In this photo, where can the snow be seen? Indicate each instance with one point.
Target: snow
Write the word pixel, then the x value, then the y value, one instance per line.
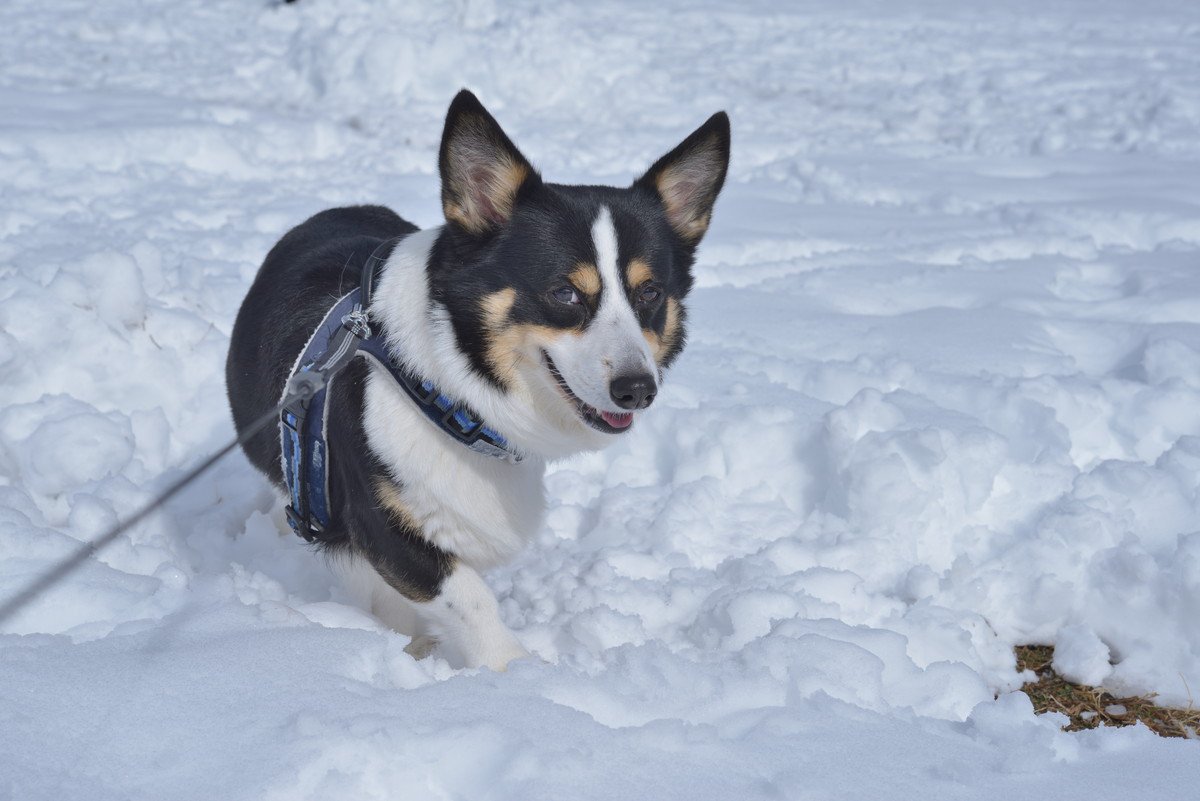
pixel 1081 656
pixel 940 398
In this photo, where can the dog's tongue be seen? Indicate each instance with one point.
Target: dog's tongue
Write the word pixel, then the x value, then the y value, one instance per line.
pixel 617 420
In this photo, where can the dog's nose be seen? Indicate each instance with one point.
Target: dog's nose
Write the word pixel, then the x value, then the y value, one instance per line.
pixel 634 391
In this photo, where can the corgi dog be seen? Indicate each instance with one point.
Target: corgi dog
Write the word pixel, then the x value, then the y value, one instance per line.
pixel 545 314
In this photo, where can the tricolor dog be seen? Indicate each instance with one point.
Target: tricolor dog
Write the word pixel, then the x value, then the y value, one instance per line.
pixel 537 322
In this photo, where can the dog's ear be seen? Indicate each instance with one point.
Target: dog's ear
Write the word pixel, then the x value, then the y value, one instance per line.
pixel 482 171
pixel 688 179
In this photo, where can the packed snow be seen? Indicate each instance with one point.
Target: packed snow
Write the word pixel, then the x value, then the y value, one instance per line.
pixel 941 398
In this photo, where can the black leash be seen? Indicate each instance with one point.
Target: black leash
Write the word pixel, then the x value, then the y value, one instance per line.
pixel 298 390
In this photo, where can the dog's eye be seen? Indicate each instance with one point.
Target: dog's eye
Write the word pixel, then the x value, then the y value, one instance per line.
pixel 649 294
pixel 566 294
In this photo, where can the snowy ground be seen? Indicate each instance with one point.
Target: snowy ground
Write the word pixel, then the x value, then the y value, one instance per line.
pixel 942 397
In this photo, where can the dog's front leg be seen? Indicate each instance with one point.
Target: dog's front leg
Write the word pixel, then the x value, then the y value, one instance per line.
pixel 439 602
pixel 450 600
pixel 465 619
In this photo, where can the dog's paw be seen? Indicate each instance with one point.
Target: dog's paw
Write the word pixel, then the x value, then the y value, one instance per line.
pixel 421 646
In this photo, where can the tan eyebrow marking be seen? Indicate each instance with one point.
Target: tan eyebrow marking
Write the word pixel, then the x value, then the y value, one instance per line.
pixel 586 279
pixel 637 273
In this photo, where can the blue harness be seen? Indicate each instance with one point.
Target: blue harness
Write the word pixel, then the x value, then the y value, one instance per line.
pixel 343 335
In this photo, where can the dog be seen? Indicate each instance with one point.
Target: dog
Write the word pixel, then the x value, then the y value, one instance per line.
pixel 550 312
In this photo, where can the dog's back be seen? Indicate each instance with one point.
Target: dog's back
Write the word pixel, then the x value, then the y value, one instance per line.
pixel 315 263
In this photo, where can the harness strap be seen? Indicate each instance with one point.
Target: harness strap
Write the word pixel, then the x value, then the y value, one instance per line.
pixel 331 347
pixel 453 418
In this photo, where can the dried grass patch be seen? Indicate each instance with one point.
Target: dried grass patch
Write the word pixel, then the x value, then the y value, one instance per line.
pixel 1090 707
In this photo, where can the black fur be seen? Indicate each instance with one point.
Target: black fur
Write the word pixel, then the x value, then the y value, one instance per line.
pixel 311 267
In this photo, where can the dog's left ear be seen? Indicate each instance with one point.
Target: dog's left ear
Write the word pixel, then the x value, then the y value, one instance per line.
pixel 688 179
pixel 482 171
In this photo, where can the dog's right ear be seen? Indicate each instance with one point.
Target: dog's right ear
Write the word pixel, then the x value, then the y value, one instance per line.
pixel 482 171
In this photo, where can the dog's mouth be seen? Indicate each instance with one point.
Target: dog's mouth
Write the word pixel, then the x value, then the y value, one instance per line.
pixel 608 422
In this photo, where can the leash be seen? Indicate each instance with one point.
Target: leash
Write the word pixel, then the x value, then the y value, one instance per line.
pixel 300 387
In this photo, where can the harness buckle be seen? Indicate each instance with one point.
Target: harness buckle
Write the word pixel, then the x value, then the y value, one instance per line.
pixel 358 323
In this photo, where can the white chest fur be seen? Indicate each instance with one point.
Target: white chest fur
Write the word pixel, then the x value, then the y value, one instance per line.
pixel 479 508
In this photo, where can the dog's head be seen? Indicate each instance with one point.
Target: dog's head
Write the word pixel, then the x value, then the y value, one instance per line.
pixel 569 299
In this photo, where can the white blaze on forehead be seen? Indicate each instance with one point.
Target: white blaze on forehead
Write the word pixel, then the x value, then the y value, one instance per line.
pixel 604 239
pixel 616 323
